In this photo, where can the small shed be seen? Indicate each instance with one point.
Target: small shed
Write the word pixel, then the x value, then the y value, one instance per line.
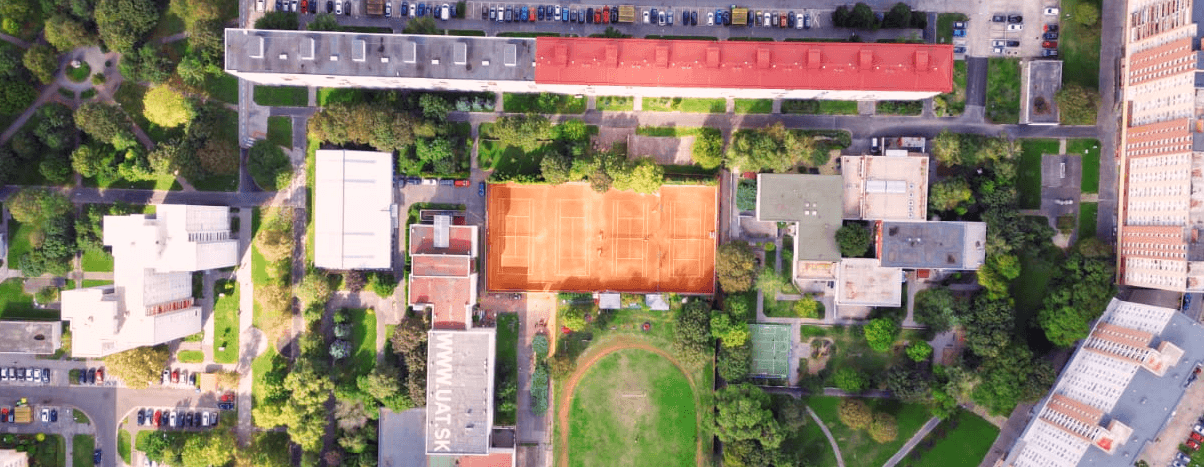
pixel 656 302
pixel 610 301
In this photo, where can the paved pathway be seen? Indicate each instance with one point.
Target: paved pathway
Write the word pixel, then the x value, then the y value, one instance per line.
pixel 208 198
pixel 15 41
pixel 911 443
pixel 831 440
pixel 246 333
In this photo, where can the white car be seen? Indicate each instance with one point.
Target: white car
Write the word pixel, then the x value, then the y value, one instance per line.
pixel 173 419
pixel 45 416
pixel 205 419
pixel 766 19
pixel 1015 27
pixel 710 18
pixel 557 15
pixel 998 50
pixel 798 21
pixel 414 10
pixel 645 16
pixel 388 9
pixel 999 43
pixel 295 3
pixel 1051 12
pixel 338 7
pixel 444 12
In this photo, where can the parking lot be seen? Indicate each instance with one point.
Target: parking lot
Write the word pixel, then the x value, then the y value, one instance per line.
pixel 1021 38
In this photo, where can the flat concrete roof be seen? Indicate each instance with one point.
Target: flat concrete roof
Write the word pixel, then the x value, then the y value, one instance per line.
pixel 865 282
pixel 380 55
pixel 885 187
pixel 353 209
pixel 813 201
pixel 401 438
pixel 30 337
pixel 459 392
pixel 932 245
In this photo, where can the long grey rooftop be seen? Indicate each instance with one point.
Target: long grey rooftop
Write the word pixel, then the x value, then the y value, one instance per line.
pixel 380 55
pixel 938 245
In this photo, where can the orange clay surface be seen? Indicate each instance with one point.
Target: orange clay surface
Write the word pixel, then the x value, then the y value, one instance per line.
pixel 571 238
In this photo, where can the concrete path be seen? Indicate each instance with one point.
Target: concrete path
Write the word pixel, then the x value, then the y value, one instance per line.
pixel 246 333
pixel 208 198
pixel 831 440
pixel 14 41
pixel 911 443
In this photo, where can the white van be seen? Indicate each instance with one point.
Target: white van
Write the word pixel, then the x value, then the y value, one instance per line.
pixel 444 12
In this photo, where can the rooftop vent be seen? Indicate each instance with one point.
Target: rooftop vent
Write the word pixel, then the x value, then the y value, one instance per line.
pixel 359 50
pixel 310 45
pixel 712 57
pixel 762 58
pixel 662 56
pixel 409 52
pixel 510 55
pixel 460 54
pixel 257 52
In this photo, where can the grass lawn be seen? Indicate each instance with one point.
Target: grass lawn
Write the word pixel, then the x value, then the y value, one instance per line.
pixel 856 446
pixel 1079 48
pixel 819 107
pixel 754 106
pixel 16 304
pixel 615 103
pixel 18 242
pixel 543 103
pixel 944 26
pixel 79 417
pixel 691 105
pixel 953 103
pixel 123 446
pixel 280 131
pixel 1088 213
pixel 225 323
pixel 852 350
pixel 1029 289
pixel 79 74
pixel 190 356
pixel 228 134
pixel 507 363
pixel 52 452
pixel 657 412
pixel 94 282
pixel 808 444
pixel 900 107
pixel 96 261
pixel 363 338
pixel 1003 90
pixel 1089 148
pixel 164 183
pixel 260 367
pixel 327 96
pixel 281 96
pixel 1028 178
pixel 961 441
pixel 81 449
pixel 223 87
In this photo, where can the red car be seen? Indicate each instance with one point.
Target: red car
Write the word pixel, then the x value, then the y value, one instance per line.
pixel 532 16
pixel 175 376
pixel 304 6
pixel 158 417
pixel 461 183
pixel 605 14
pixel 1193 445
pixel 1197 437
pixel 1050 44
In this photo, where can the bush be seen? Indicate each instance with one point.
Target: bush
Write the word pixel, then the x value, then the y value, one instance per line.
pixel 269 166
pixel 539 344
pixel 884 428
pixel 539 389
pixel 849 380
pixel 746 195
pixel 382 284
pixel 854 413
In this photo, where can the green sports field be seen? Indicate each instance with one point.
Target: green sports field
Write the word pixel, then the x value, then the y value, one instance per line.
pixel 633 408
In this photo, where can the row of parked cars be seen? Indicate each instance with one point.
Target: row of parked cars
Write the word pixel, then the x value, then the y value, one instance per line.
pixel 172 418
pixel 28 375
pixel 177 376
pixel 91 376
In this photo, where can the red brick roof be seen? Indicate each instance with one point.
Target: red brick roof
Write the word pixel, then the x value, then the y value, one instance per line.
pixel 737 64
pixel 503 459
pixel 422 265
pixel 449 296
pixel 422 240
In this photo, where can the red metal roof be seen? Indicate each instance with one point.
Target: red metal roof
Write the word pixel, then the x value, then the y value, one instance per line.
pixel 738 64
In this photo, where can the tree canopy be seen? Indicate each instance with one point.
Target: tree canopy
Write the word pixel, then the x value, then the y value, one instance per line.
pixel 269 165
pixel 854 240
pixel 166 107
pixel 42 61
pixel 66 33
pixel 122 23
pixel 880 333
pixel 743 414
pixel 105 123
pixel 138 367
pixel 735 266
pixel 937 308
pixel 1079 294
pixel 772 148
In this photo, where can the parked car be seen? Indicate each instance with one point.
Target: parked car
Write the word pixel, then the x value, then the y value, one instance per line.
pixel 46 375
pixel 347 8
pixel 158 418
pixel 1015 27
pixel 447 182
pixel 389 9
pixel 100 376
pixel 1015 19
pixel 175 376
pixel 91 376
pixel 45 416
pixel 295 3
pixel 959 25
pixel 172 420
pixel 461 183
pixel 1050 36
pixel 1049 53
pixel 959 33
pixel 614 15
pixel 417 180
pixel 481 189
pixel 279 5
pixel 1195 446
pixel 54 415
pixel 959 50
pixel 225 405
pixel 1013 43
pixel 141 417
pixel 1051 28
pixel 1196 436
pixel 338 8
pixel 97 455
pixel 710 18
pixel 1049 44
pixel 33 375
pixel 1051 11
pixel 83 376
pixel 259 5
pixel 999 19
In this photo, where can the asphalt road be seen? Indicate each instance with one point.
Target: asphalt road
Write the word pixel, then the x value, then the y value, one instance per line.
pixel 976 81
pixel 96 402
pixel 111 195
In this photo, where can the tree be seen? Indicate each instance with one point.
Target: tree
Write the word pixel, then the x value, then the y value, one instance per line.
pixel 122 23
pixel 862 17
pixel 919 351
pixel 66 33
pixel 808 307
pixel 884 428
pixel 560 364
pixel 947 148
pixel 421 25
pixel 996 275
pixel 15 96
pixel 840 17
pixel 87 162
pixel 936 308
pixel 55 127
pixel 16 11
pixel 55 167
pixel 880 333
pixel 1078 295
pixel 208 449
pixel 521 131
pixel 36 206
pixel 849 380
pixel 734 363
pixel 434 107
pixel 166 107
pixel 1014 375
pixel 42 61
pixel 735 266
pixel 437 152
pixel 105 123
pixel 909 383
pixel 989 325
pixel 854 413
pixel 743 414
pixel 556 168
pixel 1077 105
pixel 644 176
pixel 280 20
pixel 323 22
pixel 898 17
pixel 731 333
pixel 314 288
pixel 854 240
pixel 269 165
pixel 693 331
pixel 192 70
pixel 948 194
pixel 138 367
pixel 770 282
pixel 573 317
pixel 147 64
pixel 708 149
pixel 772 148
pixel 573 129
pixel 1086 14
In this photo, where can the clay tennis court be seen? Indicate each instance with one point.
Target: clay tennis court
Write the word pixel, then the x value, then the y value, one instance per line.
pixel 570 238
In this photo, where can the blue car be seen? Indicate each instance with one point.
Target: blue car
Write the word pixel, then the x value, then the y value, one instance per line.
pixel 539 12
pixel 481 189
pixel 526 11
pixel 421 9
pixel 959 33
pixel 564 15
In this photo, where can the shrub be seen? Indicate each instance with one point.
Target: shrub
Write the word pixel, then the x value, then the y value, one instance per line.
pixel 884 428
pixel 539 389
pixel 849 380
pixel 854 413
pixel 540 344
